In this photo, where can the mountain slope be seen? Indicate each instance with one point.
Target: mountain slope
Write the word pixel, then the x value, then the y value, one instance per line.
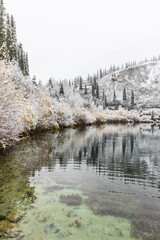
pixel 143 79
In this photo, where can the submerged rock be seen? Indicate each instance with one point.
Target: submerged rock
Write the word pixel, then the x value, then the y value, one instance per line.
pixel 5 226
pixel 13 218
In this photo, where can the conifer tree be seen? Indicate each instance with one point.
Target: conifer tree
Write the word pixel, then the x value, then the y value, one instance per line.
pixel 105 102
pixel 61 90
pixel 124 94
pixel 93 90
pixel 100 73
pixel 3 47
pixel 85 90
pixel 114 97
pixel 26 65
pixel 50 84
pixel 97 91
pixel 95 82
pixel 21 57
pixel 9 36
pixel 80 83
pixel 132 98
pixel 103 95
pixel 14 39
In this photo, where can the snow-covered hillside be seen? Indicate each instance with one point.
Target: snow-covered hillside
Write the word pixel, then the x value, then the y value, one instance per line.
pixel 143 79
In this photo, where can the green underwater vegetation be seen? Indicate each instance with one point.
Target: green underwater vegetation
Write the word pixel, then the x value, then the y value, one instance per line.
pixel 93 183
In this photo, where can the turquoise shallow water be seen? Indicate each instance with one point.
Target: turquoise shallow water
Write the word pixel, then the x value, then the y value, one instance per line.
pixel 93 183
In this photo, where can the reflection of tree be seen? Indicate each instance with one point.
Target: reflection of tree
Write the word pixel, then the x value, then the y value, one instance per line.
pixel 123 146
pixel 132 143
pixel 118 153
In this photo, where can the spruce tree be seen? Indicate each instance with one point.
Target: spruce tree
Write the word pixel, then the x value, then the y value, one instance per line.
pixel 9 37
pixel 26 65
pixel 124 94
pixel 3 47
pixel 61 90
pixel 103 96
pixel 97 91
pixel 85 90
pixel 95 81
pixel 105 102
pixel 100 73
pixel 14 38
pixel 93 90
pixel 114 97
pixel 80 83
pixel 21 57
pixel 132 98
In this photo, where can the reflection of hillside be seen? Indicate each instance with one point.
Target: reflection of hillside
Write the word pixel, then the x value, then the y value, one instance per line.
pixel 128 151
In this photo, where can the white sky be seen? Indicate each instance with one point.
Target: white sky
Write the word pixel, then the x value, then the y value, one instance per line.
pixel 65 38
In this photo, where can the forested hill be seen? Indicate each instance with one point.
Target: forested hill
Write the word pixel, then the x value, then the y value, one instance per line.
pixel 10 49
pixel 134 87
pixel 141 80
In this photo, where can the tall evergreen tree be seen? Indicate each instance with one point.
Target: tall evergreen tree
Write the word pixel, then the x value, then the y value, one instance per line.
pixel 97 91
pixel 100 73
pixel 9 36
pixel 103 95
pixel 114 97
pixel 124 94
pixel 93 90
pixel 3 47
pixel 80 83
pixel 14 39
pixel 26 65
pixel 132 98
pixel 85 90
pixel 61 90
pixel 95 81
pixel 105 102
pixel 21 57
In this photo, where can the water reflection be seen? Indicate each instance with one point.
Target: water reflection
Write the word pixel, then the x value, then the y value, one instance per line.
pixel 117 168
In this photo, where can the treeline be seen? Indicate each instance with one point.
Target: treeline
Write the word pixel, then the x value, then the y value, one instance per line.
pixel 10 49
pixel 112 69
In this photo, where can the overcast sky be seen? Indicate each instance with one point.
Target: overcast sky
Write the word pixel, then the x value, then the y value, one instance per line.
pixel 65 38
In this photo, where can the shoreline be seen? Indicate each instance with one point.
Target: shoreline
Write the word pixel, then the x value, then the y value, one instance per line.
pixel 5 146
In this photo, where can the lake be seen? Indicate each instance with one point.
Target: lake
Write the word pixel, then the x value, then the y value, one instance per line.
pixel 88 183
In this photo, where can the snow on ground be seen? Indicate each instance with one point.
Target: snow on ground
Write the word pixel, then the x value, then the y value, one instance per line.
pixel 26 107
